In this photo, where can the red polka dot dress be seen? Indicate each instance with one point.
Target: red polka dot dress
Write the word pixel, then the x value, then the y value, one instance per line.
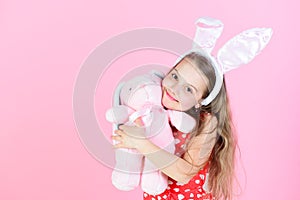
pixel 191 190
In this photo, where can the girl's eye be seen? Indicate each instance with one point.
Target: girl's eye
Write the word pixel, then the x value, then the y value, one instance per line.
pixel 174 76
pixel 188 89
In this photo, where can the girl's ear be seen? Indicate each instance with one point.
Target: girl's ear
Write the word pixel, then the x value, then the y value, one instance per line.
pixel 198 105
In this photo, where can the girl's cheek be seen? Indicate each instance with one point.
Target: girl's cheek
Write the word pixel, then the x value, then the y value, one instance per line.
pixel 163 83
pixel 187 101
pixel 166 82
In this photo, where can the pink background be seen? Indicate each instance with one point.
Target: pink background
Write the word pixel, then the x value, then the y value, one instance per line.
pixel 42 46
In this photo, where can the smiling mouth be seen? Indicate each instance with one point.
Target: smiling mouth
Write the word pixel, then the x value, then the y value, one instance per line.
pixel 170 97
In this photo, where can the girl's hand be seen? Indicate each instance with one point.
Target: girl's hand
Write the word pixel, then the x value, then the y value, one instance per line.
pixel 129 137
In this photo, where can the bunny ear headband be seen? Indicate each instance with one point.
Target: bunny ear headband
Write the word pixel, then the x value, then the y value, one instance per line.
pixel 239 50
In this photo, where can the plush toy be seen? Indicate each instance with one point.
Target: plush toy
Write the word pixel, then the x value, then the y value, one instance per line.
pixel 139 100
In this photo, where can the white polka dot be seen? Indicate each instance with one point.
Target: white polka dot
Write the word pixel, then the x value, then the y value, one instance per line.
pixel 197 181
pixel 187 190
pixel 200 190
pixel 170 182
pixel 202 176
pixel 145 195
pixel 176 189
pixel 180 196
pixel 184 135
pixel 179 184
pixel 159 198
pixel 153 198
pixel 191 195
pixel 198 195
pixel 177 141
pixel 165 196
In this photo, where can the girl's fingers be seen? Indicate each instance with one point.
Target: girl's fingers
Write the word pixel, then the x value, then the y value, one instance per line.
pixel 126 128
pixel 116 137
pixel 119 132
pixel 119 145
pixel 122 127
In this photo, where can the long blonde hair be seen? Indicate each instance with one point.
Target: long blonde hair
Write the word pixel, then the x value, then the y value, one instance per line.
pixel 222 158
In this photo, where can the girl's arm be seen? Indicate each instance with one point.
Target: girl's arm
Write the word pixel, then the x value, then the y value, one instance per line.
pixel 179 169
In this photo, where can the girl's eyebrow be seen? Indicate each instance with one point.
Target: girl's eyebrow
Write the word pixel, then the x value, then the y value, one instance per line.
pixel 185 80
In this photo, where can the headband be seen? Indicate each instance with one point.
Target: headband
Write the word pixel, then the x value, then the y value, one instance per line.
pixel 239 50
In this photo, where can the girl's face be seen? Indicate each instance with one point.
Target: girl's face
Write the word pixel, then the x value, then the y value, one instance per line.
pixel 183 87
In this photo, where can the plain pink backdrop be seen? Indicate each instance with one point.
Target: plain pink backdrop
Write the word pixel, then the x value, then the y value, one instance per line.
pixel 44 43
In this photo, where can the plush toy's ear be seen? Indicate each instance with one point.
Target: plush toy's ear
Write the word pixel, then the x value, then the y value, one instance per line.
pixel 116 101
pixel 116 97
pixel 118 114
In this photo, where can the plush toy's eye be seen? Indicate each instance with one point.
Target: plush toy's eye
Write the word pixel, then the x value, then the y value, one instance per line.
pixel 130 89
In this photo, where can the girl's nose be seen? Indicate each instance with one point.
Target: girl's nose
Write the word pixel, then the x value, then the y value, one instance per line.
pixel 174 90
pixel 174 86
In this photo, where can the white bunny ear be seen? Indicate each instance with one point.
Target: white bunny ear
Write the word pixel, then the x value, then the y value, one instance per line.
pixel 207 32
pixel 242 48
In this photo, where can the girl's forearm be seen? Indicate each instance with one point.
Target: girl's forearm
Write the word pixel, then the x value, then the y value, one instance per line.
pixel 170 164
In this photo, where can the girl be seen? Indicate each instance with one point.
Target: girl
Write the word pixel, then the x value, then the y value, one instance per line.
pixel 208 150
